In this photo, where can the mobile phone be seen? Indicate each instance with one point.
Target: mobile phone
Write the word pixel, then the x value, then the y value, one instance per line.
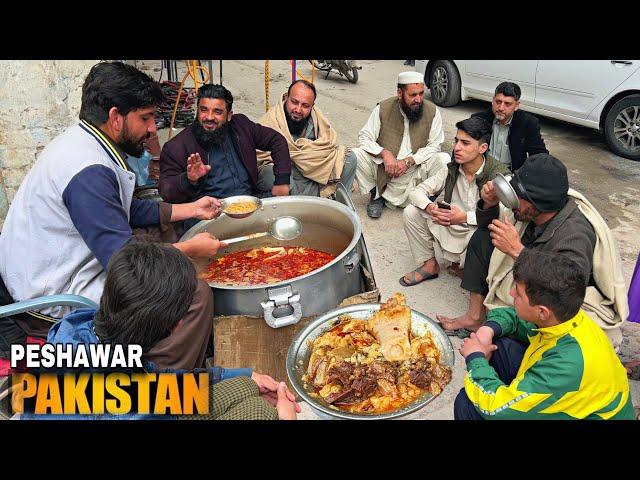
pixel 444 205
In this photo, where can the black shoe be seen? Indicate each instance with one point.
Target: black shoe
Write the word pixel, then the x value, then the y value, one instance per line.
pixel 374 208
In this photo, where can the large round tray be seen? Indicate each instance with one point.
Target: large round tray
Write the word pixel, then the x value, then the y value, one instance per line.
pixel 299 352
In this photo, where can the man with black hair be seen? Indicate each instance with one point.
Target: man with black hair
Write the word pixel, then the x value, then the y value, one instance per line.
pixel 544 358
pixel 515 133
pixel 216 155
pixel 75 207
pixel 399 146
pixel 426 223
pixel 318 161
pixel 153 314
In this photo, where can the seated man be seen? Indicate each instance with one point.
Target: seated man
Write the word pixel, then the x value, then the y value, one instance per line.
pixel 545 358
pixel 516 134
pixel 399 146
pixel 139 308
pixel 75 207
pixel 216 155
pixel 425 222
pixel 550 218
pixel 318 161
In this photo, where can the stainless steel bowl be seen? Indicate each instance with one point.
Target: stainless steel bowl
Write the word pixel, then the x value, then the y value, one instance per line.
pixel 225 203
pixel 299 352
pixel 505 192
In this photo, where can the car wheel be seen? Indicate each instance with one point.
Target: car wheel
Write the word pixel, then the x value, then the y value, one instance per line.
pixel 622 127
pixel 445 83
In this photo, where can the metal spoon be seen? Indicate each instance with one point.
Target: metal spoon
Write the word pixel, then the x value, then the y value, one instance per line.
pixel 283 228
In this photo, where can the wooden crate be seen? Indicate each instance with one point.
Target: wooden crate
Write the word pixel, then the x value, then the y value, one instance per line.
pixel 242 341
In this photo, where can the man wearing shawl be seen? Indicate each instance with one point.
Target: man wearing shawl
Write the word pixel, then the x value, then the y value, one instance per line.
pixel 318 162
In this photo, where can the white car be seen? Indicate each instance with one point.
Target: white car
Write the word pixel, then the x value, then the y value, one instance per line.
pixel 600 94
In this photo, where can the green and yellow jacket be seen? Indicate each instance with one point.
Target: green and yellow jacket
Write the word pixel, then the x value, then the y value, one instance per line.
pixel 569 371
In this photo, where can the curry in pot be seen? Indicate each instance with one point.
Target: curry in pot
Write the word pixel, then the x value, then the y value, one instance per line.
pixel 264 265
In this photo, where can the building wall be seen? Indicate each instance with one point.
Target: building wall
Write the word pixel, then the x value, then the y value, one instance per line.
pixel 38 101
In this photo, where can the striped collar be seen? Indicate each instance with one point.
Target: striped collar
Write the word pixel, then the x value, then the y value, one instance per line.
pixel 106 144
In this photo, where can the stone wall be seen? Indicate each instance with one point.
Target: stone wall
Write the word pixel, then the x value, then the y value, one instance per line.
pixel 38 101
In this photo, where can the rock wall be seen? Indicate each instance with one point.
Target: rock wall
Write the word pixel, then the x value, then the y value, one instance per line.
pixel 39 99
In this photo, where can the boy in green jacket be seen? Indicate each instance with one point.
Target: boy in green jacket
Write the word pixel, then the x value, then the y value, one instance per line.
pixel 545 358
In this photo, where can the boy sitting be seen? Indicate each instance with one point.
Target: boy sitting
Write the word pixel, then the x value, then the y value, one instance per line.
pixel 545 358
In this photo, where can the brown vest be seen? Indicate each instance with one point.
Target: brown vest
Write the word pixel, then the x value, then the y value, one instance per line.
pixel 392 126
pixel 491 168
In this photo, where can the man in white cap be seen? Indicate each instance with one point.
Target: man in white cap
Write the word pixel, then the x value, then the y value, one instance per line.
pixel 399 146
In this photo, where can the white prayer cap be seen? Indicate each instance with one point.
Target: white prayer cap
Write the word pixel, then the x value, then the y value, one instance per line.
pixel 404 78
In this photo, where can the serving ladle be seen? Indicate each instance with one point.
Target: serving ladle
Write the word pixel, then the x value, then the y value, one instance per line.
pixel 283 228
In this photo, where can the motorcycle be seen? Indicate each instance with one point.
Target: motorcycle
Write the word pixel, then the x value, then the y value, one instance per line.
pixel 346 68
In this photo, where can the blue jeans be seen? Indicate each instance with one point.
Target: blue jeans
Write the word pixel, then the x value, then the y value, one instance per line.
pixel 506 362
pixel 349 171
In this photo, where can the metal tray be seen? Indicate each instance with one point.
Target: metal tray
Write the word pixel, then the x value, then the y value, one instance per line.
pixel 299 352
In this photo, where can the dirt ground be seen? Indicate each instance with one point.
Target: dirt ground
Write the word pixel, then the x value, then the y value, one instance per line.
pixel 608 181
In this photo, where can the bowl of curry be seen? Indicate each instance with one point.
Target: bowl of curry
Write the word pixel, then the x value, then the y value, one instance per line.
pixel 240 206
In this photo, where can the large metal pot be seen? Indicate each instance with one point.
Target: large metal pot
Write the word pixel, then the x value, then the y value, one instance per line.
pixel 300 351
pixel 327 225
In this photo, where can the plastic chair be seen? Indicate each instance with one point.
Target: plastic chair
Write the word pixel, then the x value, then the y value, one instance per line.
pixel 63 300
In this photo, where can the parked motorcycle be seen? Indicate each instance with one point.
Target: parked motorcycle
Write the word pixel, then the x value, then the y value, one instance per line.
pixel 346 68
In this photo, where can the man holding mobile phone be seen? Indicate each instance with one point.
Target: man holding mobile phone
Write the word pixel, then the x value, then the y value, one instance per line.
pixel 450 222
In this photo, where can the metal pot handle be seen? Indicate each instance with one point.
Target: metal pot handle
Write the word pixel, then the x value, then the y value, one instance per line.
pixel 280 297
pixel 351 261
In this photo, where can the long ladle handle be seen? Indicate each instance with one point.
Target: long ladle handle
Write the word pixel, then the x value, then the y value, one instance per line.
pixel 245 237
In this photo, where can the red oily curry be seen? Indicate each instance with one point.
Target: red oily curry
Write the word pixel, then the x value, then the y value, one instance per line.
pixel 264 265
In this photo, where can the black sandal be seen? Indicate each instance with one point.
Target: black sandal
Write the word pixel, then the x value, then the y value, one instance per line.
pixel 422 274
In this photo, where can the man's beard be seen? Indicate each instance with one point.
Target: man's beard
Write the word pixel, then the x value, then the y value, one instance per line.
pixel 296 127
pixel 209 139
pixel 129 145
pixel 412 115
pixel 527 216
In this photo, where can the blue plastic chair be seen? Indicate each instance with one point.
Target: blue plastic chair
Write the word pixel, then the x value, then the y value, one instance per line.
pixel 63 300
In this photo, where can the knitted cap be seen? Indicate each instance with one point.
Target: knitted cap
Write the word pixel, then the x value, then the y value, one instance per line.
pixel 545 182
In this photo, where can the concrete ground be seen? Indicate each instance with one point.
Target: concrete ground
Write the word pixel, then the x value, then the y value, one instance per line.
pixel 608 181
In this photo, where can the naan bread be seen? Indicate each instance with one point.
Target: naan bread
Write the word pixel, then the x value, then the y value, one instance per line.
pixel 390 325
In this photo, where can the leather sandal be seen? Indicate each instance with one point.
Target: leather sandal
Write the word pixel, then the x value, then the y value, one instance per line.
pixel 375 207
pixel 422 274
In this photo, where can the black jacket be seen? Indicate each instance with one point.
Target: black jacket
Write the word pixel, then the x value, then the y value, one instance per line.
pixel 524 136
pixel 569 233
pixel 247 136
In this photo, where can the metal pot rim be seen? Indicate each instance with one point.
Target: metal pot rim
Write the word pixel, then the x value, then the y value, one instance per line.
pixel 324 202
pixel 441 338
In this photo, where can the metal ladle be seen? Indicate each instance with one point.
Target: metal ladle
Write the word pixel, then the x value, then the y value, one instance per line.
pixel 283 228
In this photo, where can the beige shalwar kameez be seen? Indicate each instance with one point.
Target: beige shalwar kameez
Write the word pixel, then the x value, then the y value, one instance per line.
pixel 429 159
pixel 422 231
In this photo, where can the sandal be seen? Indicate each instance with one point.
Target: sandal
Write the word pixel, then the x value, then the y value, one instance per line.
pixel 375 207
pixel 459 332
pixel 422 274
pixel 456 332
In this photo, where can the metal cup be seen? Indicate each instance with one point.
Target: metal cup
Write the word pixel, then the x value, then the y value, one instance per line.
pixel 506 194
